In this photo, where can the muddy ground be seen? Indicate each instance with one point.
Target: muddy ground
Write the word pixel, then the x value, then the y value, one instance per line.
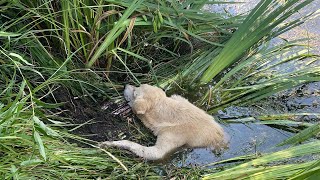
pixel 102 121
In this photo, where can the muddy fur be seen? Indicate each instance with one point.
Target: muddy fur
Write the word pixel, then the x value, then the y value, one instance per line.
pixel 174 120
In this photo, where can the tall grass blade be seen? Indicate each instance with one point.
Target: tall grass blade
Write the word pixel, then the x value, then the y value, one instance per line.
pixel 65 12
pixel 259 167
pixel 302 135
pixel 8 34
pixel 118 28
pixel 311 172
pixel 260 22
pixel 39 142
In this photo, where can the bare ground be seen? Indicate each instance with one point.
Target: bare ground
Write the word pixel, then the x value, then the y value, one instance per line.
pixel 101 121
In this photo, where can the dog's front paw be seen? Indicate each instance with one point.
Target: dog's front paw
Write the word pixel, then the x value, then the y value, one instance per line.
pixel 105 144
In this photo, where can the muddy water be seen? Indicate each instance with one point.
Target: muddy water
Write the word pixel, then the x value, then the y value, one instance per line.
pixel 253 138
pixel 245 139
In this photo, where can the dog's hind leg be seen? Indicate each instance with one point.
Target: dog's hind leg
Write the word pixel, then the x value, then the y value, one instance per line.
pixel 163 147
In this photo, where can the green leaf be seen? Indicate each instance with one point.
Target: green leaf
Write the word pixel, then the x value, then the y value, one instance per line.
pixel 47 105
pixel 14 171
pixel 31 162
pixel 302 135
pixel 47 130
pixel 259 167
pixel 20 58
pixel 8 34
pixel 118 28
pixel 39 142
pixel 311 172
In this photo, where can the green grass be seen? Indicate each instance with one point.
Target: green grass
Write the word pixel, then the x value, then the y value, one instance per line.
pixel 259 168
pixel 92 48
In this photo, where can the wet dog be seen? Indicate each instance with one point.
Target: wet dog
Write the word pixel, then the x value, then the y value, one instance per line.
pixel 174 120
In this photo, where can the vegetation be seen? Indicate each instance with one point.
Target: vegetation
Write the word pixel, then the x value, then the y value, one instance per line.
pixel 92 48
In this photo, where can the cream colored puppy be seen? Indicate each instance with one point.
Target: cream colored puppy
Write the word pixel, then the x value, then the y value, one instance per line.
pixel 174 120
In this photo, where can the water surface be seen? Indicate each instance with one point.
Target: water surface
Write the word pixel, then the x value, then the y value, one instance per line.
pixel 254 138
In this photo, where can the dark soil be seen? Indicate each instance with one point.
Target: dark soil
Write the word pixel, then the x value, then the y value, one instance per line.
pixel 102 121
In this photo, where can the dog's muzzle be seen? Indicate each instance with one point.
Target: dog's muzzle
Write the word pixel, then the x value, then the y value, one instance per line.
pixel 128 92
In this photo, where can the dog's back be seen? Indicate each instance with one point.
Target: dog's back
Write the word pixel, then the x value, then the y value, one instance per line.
pixel 194 126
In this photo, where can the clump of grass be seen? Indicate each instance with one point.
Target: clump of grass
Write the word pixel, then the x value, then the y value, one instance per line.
pixel 49 44
pixel 31 144
pixel 274 165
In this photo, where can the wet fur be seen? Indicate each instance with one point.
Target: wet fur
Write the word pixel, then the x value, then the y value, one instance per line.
pixel 174 120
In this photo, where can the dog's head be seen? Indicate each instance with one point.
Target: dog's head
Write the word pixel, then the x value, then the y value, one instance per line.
pixel 143 98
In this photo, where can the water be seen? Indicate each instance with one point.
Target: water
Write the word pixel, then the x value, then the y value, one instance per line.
pixel 245 139
pixel 254 138
pixel 309 29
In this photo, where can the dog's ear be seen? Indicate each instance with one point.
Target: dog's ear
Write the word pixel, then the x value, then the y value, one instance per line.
pixel 140 106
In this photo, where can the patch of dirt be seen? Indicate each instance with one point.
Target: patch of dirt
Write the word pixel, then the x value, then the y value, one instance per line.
pixel 102 121
pixel 100 124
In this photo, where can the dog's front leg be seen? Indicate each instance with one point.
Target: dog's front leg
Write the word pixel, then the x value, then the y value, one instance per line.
pixel 150 153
